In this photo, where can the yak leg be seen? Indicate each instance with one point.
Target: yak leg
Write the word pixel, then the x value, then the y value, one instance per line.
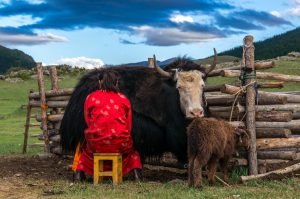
pixel 212 167
pixel 224 167
pixel 190 171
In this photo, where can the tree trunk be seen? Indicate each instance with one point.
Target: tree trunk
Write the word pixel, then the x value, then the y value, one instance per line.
pixel 296 115
pixel 285 155
pixel 276 107
pixel 51 93
pixel 273 143
pixel 51 104
pixel 59 98
pixel 263 75
pixel 280 173
pixel 263 97
pixel 257 65
pixel 294 124
pixel 275 116
pixel 270 84
pixel 221 100
pixel 43 105
pixel 272 133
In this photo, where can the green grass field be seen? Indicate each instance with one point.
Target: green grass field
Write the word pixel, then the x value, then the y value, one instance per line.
pixel 12 120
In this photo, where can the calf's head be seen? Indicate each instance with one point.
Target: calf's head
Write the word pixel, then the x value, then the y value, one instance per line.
pixel 242 138
pixel 190 85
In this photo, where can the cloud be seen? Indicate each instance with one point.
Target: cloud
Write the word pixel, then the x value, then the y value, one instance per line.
pixel 155 36
pixel 178 18
pixel 82 62
pixel 29 39
pixel 295 11
pixel 18 20
pixel 172 18
pixel 275 13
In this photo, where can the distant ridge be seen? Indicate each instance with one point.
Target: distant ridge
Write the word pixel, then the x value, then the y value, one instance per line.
pixel 14 58
pixel 145 63
pixel 273 47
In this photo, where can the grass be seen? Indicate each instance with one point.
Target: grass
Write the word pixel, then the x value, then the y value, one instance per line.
pixel 255 189
pixel 12 115
pixel 12 120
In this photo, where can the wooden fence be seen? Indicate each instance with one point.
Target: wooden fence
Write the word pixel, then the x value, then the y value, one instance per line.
pixel 272 118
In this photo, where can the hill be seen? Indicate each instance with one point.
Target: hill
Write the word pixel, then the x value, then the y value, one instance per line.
pixel 14 58
pixel 278 45
pixel 221 59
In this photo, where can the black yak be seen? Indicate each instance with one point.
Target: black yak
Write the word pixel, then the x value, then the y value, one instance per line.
pixel 161 101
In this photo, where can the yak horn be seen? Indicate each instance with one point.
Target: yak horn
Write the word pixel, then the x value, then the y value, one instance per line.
pixel 212 67
pixel 159 70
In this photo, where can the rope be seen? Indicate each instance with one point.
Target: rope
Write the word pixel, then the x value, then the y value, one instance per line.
pixel 44 107
pixel 237 94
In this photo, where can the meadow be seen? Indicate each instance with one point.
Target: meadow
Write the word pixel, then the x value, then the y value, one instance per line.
pixel 12 120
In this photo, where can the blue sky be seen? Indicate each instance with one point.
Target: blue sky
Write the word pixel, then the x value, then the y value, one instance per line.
pixel 94 32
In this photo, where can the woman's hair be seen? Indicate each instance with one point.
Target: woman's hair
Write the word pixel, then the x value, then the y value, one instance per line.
pixel 108 81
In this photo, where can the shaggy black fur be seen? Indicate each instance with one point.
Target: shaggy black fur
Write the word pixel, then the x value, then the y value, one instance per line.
pixel 158 123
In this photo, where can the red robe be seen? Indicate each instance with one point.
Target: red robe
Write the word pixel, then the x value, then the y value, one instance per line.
pixel 109 119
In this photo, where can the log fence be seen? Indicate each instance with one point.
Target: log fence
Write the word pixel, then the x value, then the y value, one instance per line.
pixel 272 118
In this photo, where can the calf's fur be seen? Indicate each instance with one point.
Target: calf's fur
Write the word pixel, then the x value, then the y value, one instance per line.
pixel 211 141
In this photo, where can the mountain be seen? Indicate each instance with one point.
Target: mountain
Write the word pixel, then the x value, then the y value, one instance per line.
pixel 14 58
pixel 273 47
pixel 145 63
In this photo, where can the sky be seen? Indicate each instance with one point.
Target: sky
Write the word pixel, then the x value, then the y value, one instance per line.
pixel 96 32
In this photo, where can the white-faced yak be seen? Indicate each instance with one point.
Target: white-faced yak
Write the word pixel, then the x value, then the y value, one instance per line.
pixel 161 101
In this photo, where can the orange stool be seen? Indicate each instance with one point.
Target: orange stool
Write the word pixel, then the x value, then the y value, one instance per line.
pixel 116 172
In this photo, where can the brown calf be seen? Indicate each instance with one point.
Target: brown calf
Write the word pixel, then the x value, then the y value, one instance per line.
pixel 211 141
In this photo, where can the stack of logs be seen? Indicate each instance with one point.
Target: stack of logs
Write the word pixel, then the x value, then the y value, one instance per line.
pixel 277 116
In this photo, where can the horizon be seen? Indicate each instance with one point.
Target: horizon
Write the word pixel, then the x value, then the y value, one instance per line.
pixel 95 33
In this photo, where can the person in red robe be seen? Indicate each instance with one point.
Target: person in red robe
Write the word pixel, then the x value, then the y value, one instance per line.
pixel 108 116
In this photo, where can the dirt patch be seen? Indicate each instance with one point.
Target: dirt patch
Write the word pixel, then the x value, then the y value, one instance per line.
pixel 35 168
pixel 32 177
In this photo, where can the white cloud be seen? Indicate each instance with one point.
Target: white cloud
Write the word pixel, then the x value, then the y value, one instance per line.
pixel 35 1
pixel 178 18
pixel 22 39
pixel 18 20
pixel 295 11
pixel 171 36
pixel 83 62
pixel 275 13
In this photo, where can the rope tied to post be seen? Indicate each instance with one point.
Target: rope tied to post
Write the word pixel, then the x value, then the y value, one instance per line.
pixel 44 107
pixel 237 94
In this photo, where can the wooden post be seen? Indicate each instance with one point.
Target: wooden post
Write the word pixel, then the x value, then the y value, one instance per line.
pixel 248 79
pixel 54 78
pixel 27 124
pixel 43 105
pixel 54 83
pixel 150 62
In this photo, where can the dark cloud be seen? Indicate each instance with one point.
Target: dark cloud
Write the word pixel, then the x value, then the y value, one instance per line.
pixel 130 15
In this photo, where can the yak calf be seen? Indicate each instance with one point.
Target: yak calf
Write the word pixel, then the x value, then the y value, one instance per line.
pixel 211 141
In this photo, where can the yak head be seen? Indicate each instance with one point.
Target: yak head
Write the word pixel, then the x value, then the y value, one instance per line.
pixel 189 78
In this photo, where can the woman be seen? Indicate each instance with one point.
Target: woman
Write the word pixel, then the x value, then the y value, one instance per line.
pixel 108 116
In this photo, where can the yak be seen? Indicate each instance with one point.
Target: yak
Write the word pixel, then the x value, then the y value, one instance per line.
pixel 162 102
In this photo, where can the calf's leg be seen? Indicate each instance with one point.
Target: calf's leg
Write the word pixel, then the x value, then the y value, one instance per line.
pixel 190 171
pixel 224 168
pixel 212 167
pixel 199 162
